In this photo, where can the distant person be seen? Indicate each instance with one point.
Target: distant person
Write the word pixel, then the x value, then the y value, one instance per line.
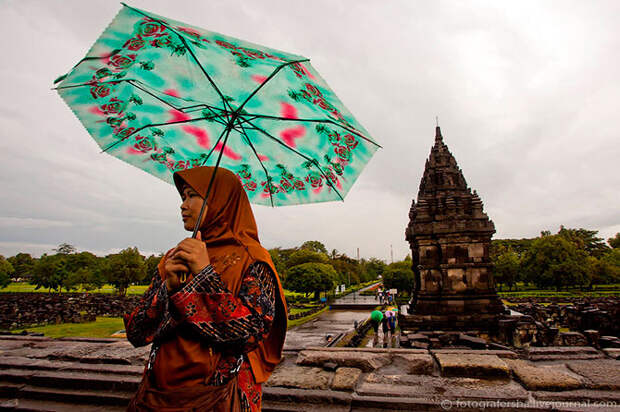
pixel 375 319
pixel 392 327
pixel 218 334
pixel 386 330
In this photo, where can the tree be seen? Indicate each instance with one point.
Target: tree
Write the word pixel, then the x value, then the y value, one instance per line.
pixel 82 260
pixel 49 272
pixel 315 246
pixel 553 261
pixel 614 242
pixel 306 256
pixel 499 246
pixel 507 268
pixel 398 275
pixel 585 240
pixel 151 264
pixel 6 271
pixel 23 264
pixel 375 267
pixel 347 268
pixel 278 262
pixel 605 270
pixel 75 279
pixel 124 268
pixel 311 277
pixel 65 249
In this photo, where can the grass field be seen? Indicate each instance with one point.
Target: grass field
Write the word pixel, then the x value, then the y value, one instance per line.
pixel 104 327
pixel 133 290
pixel 27 287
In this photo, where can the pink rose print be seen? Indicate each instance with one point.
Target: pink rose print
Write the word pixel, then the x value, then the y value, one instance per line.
pixel 99 91
pixel 121 62
pixel 134 44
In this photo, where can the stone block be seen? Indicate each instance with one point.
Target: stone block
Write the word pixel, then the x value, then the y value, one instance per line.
pixel 472 365
pixel 599 374
pixel 593 336
pixel 536 377
pixel 612 352
pixel 366 361
pixel 345 379
pixel 417 337
pixel 573 339
pixel 466 351
pixel 438 388
pixel 301 378
pixel 609 342
pixel 551 353
pixel 330 366
pixel 472 342
pixel 415 364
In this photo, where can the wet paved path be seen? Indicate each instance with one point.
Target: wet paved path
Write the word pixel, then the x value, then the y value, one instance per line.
pixel 331 323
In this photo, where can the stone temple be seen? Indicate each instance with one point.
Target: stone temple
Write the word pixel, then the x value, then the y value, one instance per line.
pixel 450 235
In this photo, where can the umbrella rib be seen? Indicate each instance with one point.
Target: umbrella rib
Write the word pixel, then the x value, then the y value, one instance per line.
pixel 259 161
pixel 280 67
pixel 112 53
pixel 261 116
pixel 133 83
pixel 182 38
pixel 312 161
pixel 154 125
pixel 181 109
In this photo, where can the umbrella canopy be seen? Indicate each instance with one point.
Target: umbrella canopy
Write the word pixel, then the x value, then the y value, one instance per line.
pixel 376 315
pixel 166 96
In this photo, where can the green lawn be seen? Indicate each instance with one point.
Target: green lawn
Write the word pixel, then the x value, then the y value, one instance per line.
pixel 27 287
pixel 102 328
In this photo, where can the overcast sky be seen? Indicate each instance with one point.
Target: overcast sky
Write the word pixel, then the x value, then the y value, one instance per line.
pixel 527 94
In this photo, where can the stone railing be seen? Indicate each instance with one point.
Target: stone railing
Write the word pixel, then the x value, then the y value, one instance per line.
pixel 28 309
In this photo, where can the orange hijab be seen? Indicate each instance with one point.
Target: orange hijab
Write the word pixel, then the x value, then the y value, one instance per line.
pixel 229 231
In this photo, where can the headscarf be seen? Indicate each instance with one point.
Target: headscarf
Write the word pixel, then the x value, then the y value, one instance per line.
pixel 230 233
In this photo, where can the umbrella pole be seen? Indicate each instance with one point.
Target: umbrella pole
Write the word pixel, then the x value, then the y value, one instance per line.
pixel 204 203
pixel 183 277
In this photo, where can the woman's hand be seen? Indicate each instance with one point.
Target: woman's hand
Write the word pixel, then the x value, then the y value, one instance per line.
pixel 175 268
pixel 193 253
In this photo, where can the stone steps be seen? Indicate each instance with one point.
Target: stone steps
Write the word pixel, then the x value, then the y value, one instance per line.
pixel 46 385
pixel 552 353
pixel 30 405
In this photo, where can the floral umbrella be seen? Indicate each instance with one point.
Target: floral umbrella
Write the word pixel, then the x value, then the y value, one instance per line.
pixel 166 96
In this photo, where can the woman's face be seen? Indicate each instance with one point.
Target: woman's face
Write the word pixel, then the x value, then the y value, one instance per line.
pixel 190 208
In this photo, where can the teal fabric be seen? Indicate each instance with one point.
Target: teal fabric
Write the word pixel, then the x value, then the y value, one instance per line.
pixel 165 96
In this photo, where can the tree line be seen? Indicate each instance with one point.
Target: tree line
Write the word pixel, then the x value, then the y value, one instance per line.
pixel 310 268
pixel 571 257
pixel 70 270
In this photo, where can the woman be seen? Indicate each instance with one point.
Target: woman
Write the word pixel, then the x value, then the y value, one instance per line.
pixel 218 336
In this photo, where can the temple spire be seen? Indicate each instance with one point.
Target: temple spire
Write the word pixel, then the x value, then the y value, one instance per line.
pixel 438 136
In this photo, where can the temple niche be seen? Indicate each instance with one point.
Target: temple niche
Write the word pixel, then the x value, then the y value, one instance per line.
pixel 449 235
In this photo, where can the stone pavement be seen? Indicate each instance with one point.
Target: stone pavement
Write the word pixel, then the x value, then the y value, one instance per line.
pixel 327 326
pixel 42 374
pixel 356 301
